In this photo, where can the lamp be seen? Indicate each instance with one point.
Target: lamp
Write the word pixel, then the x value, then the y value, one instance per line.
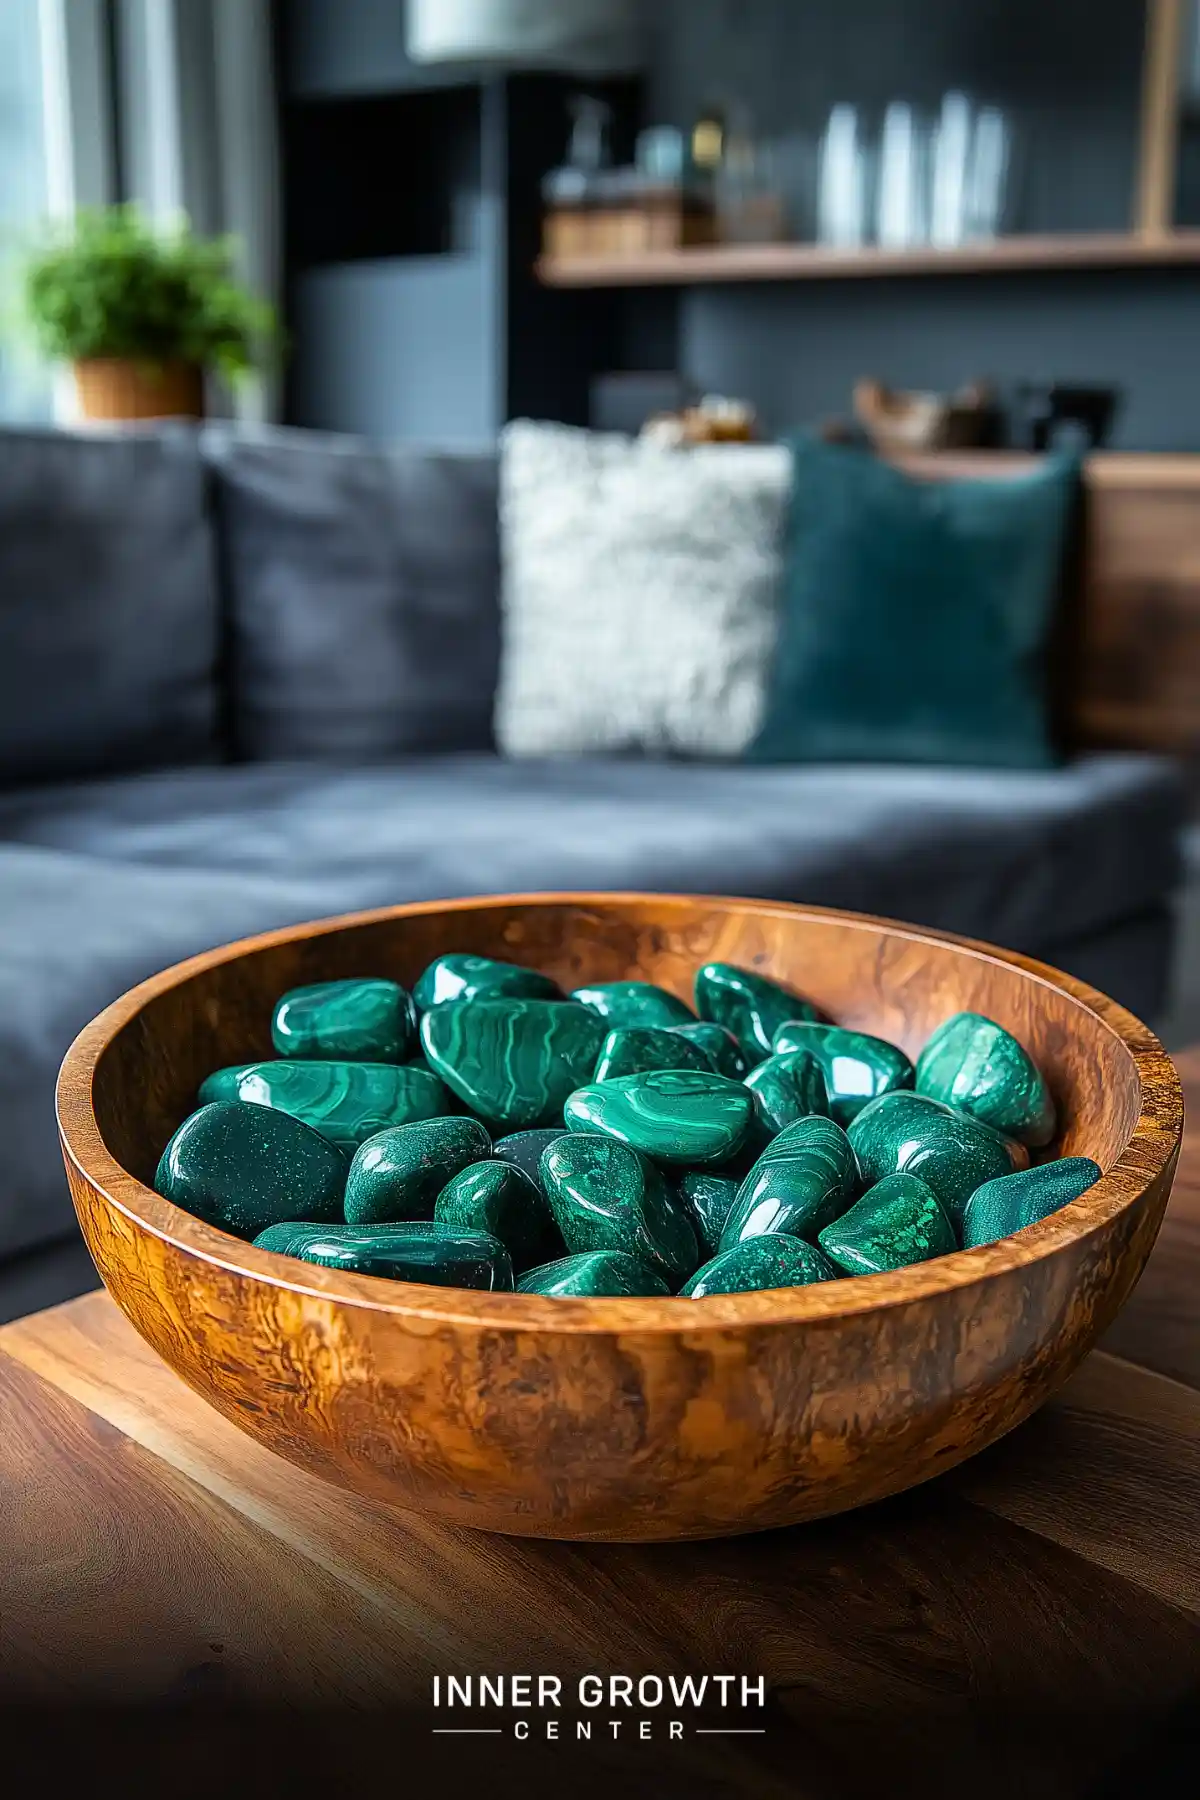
pixel 592 35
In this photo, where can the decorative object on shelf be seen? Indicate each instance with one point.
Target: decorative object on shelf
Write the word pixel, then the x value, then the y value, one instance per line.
pixel 574 34
pixel 902 190
pixel 843 181
pixel 593 209
pixel 897 421
pixel 142 314
pixel 1057 413
pixel 713 420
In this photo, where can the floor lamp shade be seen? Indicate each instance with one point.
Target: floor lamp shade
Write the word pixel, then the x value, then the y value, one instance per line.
pixel 591 34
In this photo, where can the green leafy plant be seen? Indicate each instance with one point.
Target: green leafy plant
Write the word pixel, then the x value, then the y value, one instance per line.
pixel 114 286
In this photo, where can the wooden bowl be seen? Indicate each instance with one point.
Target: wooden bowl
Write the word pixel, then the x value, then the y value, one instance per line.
pixel 629 1419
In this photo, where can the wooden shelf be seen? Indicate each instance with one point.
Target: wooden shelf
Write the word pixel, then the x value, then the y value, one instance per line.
pixel 818 262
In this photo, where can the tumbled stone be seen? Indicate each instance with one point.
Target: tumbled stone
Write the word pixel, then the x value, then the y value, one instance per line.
pixel 398 1174
pixel 749 1005
pixel 772 1261
pixel 973 1064
pixel 897 1222
pixel 788 1087
pixel 720 1046
pixel 905 1133
pixel 347 1102
pixel 514 1062
pixel 523 1149
pixel 633 1003
pixel 458 976
pixel 708 1199
pixel 347 1021
pixel 1011 1202
pixel 243 1168
pixel 673 1115
pixel 804 1178
pixel 499 1198
pixel 632 1049
pixel 605 1196
pixel 591 1275
pixel 422 1250
pixel 856 1066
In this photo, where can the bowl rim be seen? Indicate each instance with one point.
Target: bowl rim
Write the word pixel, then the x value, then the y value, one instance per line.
pixel 1149 1154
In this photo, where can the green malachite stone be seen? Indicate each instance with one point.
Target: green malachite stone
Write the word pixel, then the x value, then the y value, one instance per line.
pixel 801 1182
pixel 632 1049
pixel 856 1066
pixel 749 1005
pixel 605 1196
pixel 910 1134
pixel 674 1115
pixel 461 977
pixel 347 1102
pixel 897 1222
pixel 634 1003
pixel 514 1062
pixel 243 1168
pixel 347 1021
pixel 773 1261
pixel 523 1149
pixel 592 1275
pixel 975 1065
pixel 422 1250
pixel 498 1198
pixel 719 1045
pixel 398 1174
pixel 788 1087
pixel 708 1200
pixel 1011 1202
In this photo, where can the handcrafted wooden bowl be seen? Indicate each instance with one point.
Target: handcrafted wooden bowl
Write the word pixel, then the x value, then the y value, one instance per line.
pixel 640 1418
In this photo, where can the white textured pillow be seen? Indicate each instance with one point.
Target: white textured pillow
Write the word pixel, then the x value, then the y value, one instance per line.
pixel 640 592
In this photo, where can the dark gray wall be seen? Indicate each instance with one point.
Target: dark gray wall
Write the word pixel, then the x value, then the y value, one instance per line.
pixel 1068 72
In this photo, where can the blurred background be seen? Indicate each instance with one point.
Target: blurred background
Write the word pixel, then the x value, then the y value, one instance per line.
pixel 476 445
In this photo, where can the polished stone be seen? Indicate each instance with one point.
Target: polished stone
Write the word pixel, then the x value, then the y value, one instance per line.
pixel 773 1261
pixel 632 1049
pixel 719 1045
pixel 1011 1202
pixel 398 1174
pixel 676 1116
pixel 499 1198
pixel 243 1168
pixel 592 1275
pixel 347 1102
pixel 749 1005
pixel 897 1222
pixel 514 1062
pixel 804 1178
pixel 604 1196
pixel 523 1149
pixel 458 976
pixel 856 1066
pixel 975 1065
pixel 708 1199
pixel 347 1021
pixel 909 1133
pixel 788 1087
pixel 421 1250
pixel 634 1003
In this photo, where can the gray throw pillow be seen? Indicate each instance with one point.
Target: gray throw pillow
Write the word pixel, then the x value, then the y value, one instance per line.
pixel 108 603
pixel 640 592
pixel 362 595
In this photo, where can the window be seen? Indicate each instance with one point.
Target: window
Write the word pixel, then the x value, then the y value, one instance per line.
pixel 25 387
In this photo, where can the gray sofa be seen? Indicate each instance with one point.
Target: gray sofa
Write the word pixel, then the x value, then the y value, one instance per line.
pixel 249 680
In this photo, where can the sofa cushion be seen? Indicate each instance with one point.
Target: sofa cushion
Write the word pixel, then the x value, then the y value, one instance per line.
pixel 109 620
pixel 362 595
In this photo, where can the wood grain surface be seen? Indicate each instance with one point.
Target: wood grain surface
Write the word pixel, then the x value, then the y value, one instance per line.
pixel 633 1419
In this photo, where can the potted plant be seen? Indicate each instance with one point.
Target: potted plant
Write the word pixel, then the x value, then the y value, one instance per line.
pixel 142 313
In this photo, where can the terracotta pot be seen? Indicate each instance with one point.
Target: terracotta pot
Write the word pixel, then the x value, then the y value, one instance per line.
pixel 117 388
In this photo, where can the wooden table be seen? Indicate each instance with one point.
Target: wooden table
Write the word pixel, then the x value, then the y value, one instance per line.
pixel 1028 1624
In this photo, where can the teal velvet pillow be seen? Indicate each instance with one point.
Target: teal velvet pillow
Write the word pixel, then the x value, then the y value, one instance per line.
pixel 916 614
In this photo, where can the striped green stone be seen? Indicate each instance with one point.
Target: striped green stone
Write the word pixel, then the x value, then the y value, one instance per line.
pixel 514 1062
pixel 632 1049
pixel 421 1250
pixel 857 1067
pixel 458 976
pixel 347 1102
pixel 592 1275
pixel 346 1021
pixel 719 1045
pixel 751 1006
pixel 787 1087
pixel 805 1177
pixel 674 1115
pixel 910 1134
pixel 634 1003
